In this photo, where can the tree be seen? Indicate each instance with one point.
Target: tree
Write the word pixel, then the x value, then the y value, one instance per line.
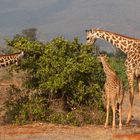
pixel 30 33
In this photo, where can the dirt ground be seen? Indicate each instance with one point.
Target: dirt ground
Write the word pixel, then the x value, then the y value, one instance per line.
pixel 42 131
pixel 39 131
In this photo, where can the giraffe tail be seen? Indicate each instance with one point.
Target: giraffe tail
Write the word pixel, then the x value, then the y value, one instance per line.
pixel 120 95
pixel 118 105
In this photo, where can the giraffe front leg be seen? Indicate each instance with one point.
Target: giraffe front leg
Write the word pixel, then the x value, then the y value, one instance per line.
pixel 131 97
pixel 107 112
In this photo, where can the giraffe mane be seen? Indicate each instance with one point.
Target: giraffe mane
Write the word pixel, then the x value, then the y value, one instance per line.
pixel 118 34
pixel 105 57
pixel 9 54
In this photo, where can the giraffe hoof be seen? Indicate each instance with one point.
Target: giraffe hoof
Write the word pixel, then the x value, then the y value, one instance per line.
pixel 120 127
pixel 113 128
pixel 127 123
pixel 105 126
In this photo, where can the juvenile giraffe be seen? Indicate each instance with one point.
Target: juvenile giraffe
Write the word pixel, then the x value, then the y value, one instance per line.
pixel 131 47
pixel 113 92
pixel 10 59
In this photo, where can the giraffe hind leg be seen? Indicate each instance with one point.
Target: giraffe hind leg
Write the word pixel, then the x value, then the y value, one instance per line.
pixel 107 112
pixel 120 117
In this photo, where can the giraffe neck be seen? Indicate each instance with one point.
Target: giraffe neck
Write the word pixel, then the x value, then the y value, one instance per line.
pixel 10 59
pixel 107 69
pixel 119 41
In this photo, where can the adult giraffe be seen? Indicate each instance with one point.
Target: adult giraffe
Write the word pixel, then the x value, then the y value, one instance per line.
pixel 131 47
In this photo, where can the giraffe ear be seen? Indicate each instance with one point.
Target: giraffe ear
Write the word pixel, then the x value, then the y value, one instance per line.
pixel 90 30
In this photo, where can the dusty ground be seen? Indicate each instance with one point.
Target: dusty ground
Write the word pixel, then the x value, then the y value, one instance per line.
pixel 40 131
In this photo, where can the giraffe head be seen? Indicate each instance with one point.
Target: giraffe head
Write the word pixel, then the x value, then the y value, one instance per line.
pixel 102 57
pixel 91 36
pixel 21 54
pixel 19 57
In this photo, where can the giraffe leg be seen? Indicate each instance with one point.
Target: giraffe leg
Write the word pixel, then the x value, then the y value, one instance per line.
pixel 113 121
pixel 120 116
pixel 120 105
pixel 107 114
pixel 139 84
pixel 131 97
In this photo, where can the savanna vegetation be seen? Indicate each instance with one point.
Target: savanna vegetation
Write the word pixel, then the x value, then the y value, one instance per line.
pixel 63 82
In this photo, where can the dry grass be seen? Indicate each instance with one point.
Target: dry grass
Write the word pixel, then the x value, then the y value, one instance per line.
pixel 6 79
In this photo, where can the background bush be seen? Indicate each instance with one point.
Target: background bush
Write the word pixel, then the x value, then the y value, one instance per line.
pixel 118 66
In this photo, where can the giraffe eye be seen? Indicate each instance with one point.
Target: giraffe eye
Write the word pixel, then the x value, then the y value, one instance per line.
pixel 87 38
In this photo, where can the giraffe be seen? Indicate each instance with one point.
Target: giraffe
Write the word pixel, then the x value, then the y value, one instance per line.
pixel 131 47
pixel 10 59
pixel 113 92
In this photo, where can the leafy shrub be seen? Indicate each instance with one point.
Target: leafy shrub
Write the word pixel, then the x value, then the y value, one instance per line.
pixel 59 70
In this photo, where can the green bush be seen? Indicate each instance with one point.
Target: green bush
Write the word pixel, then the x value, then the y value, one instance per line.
pixel 118 65
pixel 60 70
